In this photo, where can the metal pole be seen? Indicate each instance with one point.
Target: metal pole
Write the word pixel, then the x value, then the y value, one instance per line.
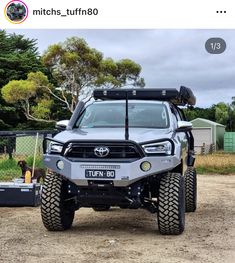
pixel 126 119
pixel 35 153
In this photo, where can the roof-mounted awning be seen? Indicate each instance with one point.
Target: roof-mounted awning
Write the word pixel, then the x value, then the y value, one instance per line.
pixel 183 97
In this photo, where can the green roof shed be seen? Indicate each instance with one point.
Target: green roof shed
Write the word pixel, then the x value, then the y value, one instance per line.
pixel 208 132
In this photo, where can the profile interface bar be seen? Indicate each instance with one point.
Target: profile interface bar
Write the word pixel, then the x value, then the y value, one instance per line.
pixel 117 14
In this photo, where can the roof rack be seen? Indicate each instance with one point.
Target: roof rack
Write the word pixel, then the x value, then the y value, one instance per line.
pixel 182 97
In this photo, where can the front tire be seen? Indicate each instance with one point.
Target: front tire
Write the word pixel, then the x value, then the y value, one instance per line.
pixel 190 189
pixel 57 214
pixel 171 204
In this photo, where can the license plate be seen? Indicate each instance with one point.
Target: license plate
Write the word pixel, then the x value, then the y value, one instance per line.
pixel 110 174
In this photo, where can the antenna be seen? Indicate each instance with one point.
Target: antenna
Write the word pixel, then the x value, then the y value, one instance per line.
pixel 126 119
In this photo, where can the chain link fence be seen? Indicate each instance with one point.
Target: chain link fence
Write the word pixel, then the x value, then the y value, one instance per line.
pixel 20 145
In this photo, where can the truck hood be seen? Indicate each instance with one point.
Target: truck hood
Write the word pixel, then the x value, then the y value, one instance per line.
pixel 135 134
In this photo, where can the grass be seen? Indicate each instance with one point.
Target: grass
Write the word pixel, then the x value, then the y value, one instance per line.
pixel 217 163
pixel 9 168
pixel 38 162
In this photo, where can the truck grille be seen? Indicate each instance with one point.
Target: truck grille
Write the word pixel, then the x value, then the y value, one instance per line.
pixel 116 151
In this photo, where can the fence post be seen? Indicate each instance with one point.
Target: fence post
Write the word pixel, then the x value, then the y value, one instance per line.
pixel 203 149
pixel 35 153
pixel 213 148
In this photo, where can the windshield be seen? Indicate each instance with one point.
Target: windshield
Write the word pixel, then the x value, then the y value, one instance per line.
pixel 141 115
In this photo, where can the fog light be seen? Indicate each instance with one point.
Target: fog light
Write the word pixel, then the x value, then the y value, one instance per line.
pixel 145 166
pixel 60 165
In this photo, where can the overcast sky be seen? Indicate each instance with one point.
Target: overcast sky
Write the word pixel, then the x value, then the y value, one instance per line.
pixel 169 58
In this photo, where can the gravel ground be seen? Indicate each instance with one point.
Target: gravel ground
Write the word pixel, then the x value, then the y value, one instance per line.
pixel 127 235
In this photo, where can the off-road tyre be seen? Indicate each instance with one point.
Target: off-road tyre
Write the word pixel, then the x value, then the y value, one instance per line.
pixel 190 189
pixel 171 204
pixel 101 208
pixel 57 215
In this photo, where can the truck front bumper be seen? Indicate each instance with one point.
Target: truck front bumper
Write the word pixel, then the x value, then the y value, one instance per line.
pixel 125 173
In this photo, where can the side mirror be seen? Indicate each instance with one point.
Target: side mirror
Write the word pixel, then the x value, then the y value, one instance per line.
pixel 62 125
pixel 184 126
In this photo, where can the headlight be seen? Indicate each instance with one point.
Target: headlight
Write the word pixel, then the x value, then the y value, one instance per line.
pixel 158 148
pixel 54 147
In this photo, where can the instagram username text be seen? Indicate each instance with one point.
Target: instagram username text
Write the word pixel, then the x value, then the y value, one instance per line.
pixel 67 12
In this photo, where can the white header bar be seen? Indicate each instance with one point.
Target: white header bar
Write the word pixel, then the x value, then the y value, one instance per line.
pixel 121 14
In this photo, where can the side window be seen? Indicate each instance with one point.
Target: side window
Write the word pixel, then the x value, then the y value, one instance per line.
pixel 174 116
pixel 181 118
pixel 177 114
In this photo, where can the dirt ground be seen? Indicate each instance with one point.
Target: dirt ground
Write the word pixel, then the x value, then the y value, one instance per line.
pixel 127 235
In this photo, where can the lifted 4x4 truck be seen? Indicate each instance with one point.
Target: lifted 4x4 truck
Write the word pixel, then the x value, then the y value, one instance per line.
pixel 130 148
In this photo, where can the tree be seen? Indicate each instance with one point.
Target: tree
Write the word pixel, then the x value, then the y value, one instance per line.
pixel 78 68
pixel 32 94
pixel 207 113
pixel 231 116
pixel 222 113
pixel 18 57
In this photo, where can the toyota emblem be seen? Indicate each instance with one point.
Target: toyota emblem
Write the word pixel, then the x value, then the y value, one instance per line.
pixel 101 151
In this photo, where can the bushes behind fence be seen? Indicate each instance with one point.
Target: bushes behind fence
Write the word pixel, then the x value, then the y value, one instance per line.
pixel 20 145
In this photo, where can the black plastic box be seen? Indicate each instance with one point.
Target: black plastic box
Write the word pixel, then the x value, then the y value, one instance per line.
pixel 136 94
pixel 15 194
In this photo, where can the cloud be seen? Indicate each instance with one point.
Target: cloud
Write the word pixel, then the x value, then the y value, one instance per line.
pixel 169 58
